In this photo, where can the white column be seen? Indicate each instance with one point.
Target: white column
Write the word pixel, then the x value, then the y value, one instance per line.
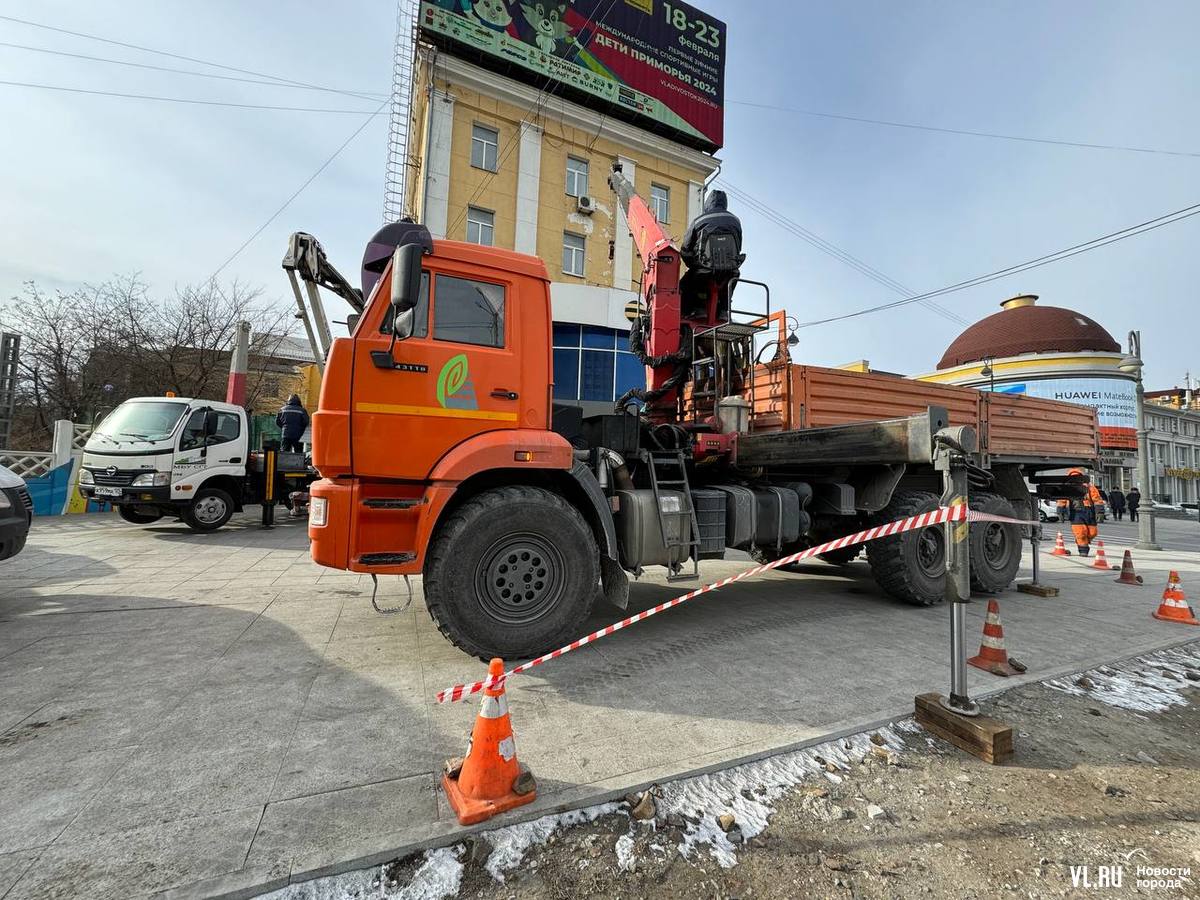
pixel 436 208
pixel 622 240
pixel 529 177
pixel 695 200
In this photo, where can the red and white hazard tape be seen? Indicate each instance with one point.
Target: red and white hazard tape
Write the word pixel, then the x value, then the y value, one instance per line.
pixel 938 516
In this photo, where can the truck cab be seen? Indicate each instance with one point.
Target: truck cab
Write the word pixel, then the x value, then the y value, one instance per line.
pixel 169 456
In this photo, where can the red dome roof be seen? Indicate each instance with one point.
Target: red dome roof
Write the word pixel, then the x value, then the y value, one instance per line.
pixel 1023 327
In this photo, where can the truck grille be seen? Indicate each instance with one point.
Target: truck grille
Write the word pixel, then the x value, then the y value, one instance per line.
pixel 26 500
pixel 119 479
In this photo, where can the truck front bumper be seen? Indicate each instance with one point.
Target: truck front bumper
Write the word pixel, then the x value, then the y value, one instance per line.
pixel 134 495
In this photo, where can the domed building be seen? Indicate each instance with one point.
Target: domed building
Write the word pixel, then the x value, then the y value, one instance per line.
pixel 1057 354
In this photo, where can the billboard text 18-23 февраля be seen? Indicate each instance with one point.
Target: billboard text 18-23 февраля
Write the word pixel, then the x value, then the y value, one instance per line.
pixel 657 63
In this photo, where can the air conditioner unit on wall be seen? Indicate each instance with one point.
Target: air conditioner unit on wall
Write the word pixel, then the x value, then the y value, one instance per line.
pixel 585 204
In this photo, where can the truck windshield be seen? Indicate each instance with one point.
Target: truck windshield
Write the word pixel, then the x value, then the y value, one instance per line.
pixel 142 421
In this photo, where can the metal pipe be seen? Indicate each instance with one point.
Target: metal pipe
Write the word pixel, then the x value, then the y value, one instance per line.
pixel 958 578
pixel 1146 538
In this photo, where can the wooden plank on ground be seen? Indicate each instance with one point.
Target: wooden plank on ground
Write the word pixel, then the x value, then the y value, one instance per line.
pixel 981 736
pixel 1038 590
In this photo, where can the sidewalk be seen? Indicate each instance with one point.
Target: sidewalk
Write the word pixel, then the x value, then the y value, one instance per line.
pixel 214 713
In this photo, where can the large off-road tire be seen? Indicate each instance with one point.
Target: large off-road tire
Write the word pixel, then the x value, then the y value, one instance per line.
pixel 910 566
pixel 138 515
pixel 209 510
pixel 842 557
pixel 512 573
pixel 995 546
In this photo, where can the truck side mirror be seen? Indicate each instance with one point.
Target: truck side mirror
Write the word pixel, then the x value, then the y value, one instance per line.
pixel 210 424
pixel 406 276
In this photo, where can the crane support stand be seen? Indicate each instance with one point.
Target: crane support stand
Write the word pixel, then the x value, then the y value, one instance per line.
pixel 956 718
pixel 270 465
pixel 1035 586
pixel 489 780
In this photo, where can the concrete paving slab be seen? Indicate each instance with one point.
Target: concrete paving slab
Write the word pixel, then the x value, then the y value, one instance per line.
pixel 13 866
pixel 145 700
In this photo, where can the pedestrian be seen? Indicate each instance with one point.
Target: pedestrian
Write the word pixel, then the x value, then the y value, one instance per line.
pixel 1116 499
pixel 1134 501
pixel 293 422
pixel 1082 512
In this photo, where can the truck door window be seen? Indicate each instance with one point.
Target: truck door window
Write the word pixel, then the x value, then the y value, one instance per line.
pixel 468 312
pixel 420 313
pixel 229 428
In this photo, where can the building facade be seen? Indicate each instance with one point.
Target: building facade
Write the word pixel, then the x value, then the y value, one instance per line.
pixel 1057 354
pixel 498 162
pixel 1173 423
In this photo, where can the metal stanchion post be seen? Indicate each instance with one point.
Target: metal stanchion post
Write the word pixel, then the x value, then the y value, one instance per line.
pixel 270 461
pixel 951 461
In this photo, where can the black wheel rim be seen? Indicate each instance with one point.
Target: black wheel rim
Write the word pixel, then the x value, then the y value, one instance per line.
pixel 931 551
pixel 995 545
pixel 520 578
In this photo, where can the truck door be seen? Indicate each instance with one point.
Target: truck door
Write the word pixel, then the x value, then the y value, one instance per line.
pixel 457 375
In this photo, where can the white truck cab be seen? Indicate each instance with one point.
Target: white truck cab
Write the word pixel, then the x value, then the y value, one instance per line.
pixel 170 456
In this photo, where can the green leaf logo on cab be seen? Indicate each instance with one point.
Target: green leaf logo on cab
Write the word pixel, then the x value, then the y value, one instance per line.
pixel 454 387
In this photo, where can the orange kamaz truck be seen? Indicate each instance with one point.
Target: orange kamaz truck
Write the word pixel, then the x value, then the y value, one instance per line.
pixel 442 453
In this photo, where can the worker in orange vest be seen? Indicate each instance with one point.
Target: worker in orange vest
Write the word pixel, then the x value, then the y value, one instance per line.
pixel 1082 513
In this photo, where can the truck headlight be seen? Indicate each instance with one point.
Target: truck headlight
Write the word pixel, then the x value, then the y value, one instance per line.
pixel 85 477
pixel 152 479
pixel 318 512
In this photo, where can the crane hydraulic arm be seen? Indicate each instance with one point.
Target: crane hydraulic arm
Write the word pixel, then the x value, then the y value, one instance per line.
pixel 656 336
pixel 305 259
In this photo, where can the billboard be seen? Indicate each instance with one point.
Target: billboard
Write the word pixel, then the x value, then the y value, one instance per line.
pixel 1114 399
pixel 658 64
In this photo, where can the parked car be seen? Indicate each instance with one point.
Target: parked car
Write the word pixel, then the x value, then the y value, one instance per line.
pixel 16 513
pixel 1047 510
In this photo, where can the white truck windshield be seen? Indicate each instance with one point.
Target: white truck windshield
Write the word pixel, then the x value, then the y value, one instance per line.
pixel 142 421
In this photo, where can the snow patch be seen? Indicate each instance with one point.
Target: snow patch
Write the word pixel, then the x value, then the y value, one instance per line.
pixel 626 858
pixel 1148 684
pixel 438 877
pixel 509 844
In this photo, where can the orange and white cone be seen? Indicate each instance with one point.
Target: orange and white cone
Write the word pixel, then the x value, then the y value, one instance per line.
pixel 489 780
pixel 1060 549
pixel 1174 606
pixel 992 655
pixel 1128 576
pixel 1101 560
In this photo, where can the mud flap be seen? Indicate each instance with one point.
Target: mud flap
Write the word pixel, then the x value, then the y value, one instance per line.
pixel 615 582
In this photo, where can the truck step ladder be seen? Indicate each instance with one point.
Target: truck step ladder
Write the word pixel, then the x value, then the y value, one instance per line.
pixel 687 536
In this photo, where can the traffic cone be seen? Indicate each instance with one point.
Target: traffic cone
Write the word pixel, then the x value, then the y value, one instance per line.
pixel 1174 606
pixel 489 780
pixel 1060 549
pixel 1101 560
pixel 992 655
pixel 1128 576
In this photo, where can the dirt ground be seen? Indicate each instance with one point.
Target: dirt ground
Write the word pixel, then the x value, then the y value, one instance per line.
pixel 1092 785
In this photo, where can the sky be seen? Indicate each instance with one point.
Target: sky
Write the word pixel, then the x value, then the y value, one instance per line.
pixel 93 186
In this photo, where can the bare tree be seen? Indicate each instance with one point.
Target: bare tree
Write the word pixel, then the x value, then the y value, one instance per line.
pixel 87 350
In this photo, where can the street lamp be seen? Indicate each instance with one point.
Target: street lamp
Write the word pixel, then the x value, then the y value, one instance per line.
pixel 1132 365
pixel 989 373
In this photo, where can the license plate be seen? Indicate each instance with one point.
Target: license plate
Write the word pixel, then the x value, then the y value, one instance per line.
pixel 109 492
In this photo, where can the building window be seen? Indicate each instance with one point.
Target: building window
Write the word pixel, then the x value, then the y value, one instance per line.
pixel 484 144
pixel 468 312
pixel 593 363
pixel 481 226
pixel 660 202
pixel 577 177
pixel 573 246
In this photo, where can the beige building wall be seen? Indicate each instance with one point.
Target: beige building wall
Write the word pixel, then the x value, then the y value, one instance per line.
pixel 558 129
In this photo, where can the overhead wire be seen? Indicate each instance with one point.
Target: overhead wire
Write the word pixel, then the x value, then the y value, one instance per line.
pixel 833 250
pixel 913 126
pixel 180 56
pixel 175 71
pixel 188 100
pixel 1046 259
pixel 288 202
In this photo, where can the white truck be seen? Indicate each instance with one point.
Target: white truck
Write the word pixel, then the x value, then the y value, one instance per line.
pixel 172 456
